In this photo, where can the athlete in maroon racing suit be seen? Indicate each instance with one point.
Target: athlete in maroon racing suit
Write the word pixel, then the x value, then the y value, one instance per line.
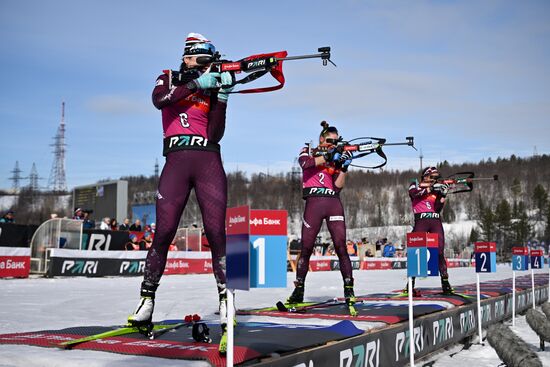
pixel 323 179
pixel 193 119
pixel 428 200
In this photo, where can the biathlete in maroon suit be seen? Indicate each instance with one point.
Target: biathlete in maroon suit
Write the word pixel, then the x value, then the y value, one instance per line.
pixel 323 179
pixel 193 120
pixel 428 200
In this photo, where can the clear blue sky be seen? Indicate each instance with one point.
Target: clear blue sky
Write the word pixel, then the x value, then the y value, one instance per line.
pixel 469 79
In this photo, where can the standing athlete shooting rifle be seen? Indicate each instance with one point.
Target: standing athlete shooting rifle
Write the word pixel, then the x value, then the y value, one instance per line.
pixel 193 119
pixel 323 178
pixel 193 102
pixel 428 200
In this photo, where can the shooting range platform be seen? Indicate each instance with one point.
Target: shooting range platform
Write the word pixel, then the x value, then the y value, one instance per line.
pixel 440 321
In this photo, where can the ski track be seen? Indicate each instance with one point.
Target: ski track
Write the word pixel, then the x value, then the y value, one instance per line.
pixel 41 304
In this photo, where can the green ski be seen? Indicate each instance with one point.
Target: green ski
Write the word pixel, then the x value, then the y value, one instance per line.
pixel 108 334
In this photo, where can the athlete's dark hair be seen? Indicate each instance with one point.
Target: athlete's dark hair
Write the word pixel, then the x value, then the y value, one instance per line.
pixel 327 129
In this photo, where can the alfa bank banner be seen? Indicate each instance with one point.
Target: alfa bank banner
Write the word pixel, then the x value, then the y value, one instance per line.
pixel 268 222
pixel 15 262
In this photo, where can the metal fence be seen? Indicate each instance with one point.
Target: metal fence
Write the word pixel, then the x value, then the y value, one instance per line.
pixel 67 233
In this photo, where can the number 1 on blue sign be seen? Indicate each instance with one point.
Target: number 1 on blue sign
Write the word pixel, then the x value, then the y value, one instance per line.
pixel 260 245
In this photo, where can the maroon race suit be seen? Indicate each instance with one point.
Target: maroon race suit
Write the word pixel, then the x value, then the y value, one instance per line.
pixel 427 208
pixel 193 122
pixel 322 203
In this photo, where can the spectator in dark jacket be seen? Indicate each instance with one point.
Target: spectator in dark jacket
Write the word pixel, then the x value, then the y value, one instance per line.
pixel 136 226
pixel 78 214
pixel 8 217
pixel 114 224
pixel 134 245
pixel 147 241
pixel 125 226
pixel 89 223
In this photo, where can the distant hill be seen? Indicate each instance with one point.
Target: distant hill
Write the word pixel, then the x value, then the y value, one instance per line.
pixel 379 198
pixel 507 210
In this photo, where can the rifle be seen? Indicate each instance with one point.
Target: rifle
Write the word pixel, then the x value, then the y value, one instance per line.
pixel 256 66
pixel 363 146
pixel 463 181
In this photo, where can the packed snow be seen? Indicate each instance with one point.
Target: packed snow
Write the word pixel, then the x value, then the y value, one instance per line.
pixel 40 303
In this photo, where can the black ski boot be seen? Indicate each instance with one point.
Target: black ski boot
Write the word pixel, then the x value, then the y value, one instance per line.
pixel 349 295
pixel 297 295
pixel 446 286
pixel 416 292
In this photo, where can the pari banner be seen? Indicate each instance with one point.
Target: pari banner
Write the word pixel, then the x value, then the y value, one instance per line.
pixel 256 248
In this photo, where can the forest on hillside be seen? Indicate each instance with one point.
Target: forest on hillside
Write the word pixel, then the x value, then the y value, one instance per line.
pixel 513 209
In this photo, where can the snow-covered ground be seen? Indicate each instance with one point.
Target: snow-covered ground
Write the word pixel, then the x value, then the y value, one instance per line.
pixel 39 303
pixel 485 356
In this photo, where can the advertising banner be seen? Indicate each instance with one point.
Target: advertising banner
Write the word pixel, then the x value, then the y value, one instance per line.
pixel 15 262
pixel 65 262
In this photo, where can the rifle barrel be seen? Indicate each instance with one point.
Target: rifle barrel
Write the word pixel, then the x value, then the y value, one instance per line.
pixel 313 56
pixel 325 56
pixel 407 143
pixel 483 179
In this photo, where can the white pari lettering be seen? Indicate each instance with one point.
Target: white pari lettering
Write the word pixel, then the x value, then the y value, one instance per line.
pixel 199 140
pixel 173 141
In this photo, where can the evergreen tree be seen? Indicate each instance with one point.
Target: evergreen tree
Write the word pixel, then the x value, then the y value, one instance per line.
pixel 449 214
pixel 480 207
pixel 503 224
pixel 547 229
pixel 540 200
pixel 516 192
pixel 522 228
pixel 487 225
pixel 474 236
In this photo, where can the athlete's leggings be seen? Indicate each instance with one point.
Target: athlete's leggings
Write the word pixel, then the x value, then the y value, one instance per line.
pixel 434 226
pixel 184 170
pixel 317 209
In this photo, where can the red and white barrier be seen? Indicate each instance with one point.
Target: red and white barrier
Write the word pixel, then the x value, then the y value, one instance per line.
pixel 15 262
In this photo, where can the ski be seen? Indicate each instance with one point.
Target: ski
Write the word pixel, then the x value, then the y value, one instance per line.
pixel 303 307
pixel 128 329
pixel 151 331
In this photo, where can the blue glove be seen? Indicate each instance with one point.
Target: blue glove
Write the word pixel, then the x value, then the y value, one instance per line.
pixel 208 81
pixel 345 160
pixel 331 155
pixel 227 87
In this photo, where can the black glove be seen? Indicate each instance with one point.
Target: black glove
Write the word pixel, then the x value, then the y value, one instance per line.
pixel 441 188
pixel 345 160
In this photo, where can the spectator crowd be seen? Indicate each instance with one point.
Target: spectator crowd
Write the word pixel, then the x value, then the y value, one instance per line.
pixel 363 248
